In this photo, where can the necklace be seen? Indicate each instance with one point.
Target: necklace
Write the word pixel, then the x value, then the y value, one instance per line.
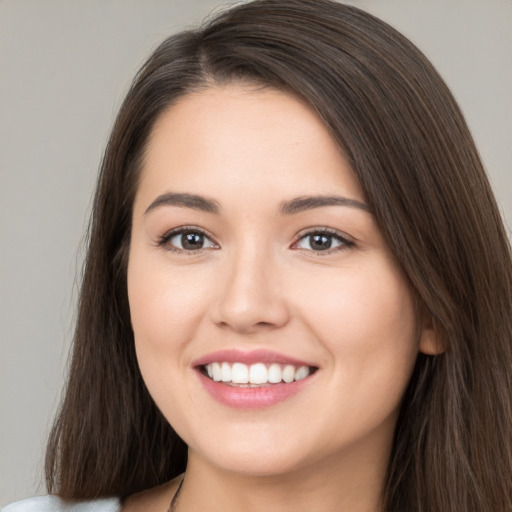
pixel 174 501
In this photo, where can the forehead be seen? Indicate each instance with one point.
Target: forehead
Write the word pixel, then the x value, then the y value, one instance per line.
pixel 234 137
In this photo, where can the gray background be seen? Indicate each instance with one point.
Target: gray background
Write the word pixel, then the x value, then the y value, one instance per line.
pixel 64 67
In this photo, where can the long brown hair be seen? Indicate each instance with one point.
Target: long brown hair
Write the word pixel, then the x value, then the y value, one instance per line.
pixel 410 148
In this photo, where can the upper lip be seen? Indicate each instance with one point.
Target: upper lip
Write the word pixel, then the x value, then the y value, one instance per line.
pixel 248 357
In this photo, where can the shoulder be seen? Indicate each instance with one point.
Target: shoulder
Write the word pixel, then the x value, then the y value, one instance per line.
pixel 55 504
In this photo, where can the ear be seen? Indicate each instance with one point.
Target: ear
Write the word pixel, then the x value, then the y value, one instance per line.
pixel 430 342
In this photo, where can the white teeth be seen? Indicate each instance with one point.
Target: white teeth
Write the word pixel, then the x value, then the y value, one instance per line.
pixel 255 374
pixel 225 372
pixel 217 373
pixel 258 374
pixel 239 373
pixel 289 373
pixel 274 374
pixel 301 373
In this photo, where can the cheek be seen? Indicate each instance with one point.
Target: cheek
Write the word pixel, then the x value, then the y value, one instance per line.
pixel 166 310
pixel 360 305
pixel 165 306
pixel 366 319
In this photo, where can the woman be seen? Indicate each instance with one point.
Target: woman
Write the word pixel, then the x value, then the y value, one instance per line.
pixel 297 262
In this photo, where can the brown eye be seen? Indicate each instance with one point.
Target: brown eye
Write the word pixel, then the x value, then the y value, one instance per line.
pixel 320 242
pixel 188 240
pixel 323 241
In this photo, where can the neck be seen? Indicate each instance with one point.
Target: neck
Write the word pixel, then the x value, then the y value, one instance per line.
pixel 345 483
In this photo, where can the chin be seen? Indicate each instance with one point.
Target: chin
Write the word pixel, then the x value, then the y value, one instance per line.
pixel 260 464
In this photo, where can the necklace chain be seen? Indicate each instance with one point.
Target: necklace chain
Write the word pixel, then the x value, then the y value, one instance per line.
pixel 174 501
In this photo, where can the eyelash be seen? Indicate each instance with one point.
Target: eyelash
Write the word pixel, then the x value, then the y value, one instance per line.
pixel 165 239
pixel 344 243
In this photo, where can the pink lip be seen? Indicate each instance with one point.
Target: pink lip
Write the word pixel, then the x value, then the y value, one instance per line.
pixel 252 398
pixel 247 397
pixel 248 357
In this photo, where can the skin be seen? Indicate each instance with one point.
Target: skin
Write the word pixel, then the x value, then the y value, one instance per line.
pixel 258 284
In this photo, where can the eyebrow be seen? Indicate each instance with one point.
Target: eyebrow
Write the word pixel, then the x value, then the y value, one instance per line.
pixel 296 205
pixel 300 204
pixel 193 201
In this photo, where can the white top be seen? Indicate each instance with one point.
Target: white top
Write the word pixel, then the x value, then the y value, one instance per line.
pixel 55 504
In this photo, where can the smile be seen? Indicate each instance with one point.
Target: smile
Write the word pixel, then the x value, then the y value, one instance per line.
pixel 258 374
pixel 253 379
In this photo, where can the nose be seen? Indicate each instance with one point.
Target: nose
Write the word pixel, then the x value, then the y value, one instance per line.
pixel 251 298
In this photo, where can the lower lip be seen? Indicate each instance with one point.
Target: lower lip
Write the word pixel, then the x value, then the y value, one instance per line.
pixel 252 398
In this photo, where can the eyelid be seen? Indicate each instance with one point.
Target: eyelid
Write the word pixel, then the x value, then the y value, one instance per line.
pixel 346 241
pixel 168 235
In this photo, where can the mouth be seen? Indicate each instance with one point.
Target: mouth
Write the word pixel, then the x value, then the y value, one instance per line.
pixel 254 379
pixel 259 374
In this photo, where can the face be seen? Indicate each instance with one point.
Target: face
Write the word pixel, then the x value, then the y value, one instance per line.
pixel 273 327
